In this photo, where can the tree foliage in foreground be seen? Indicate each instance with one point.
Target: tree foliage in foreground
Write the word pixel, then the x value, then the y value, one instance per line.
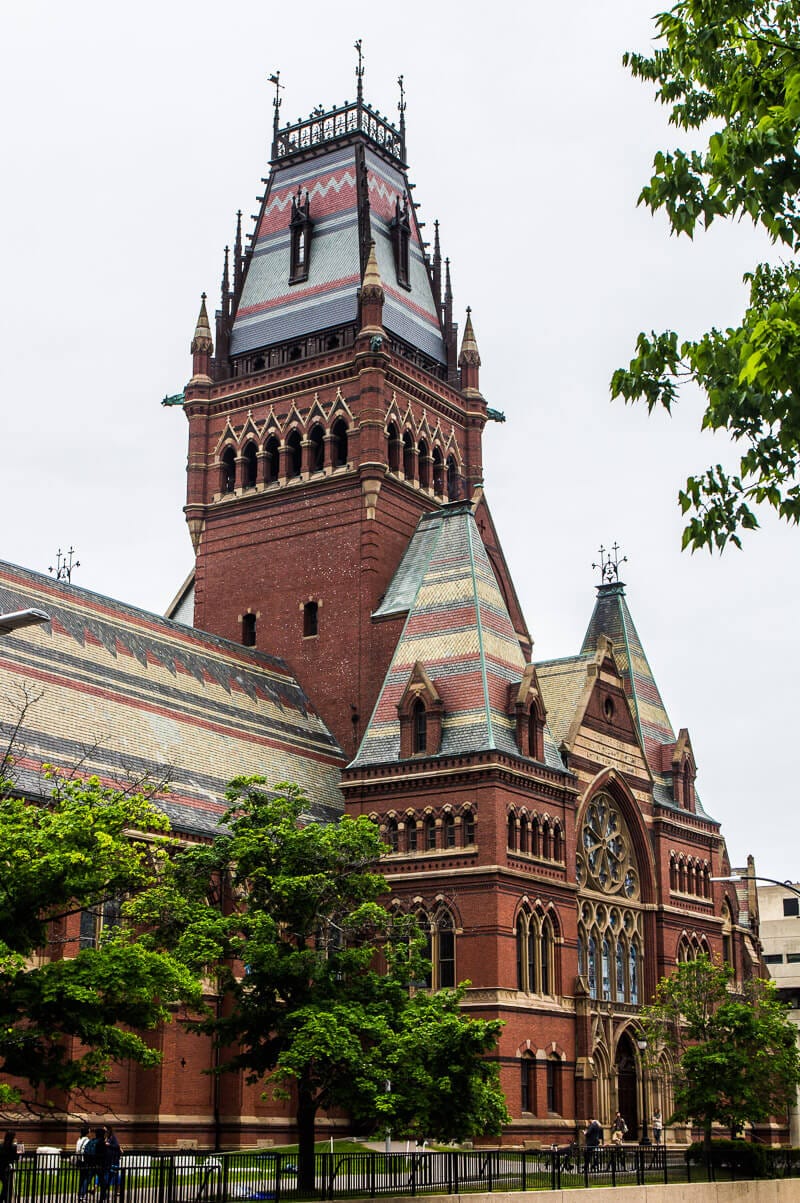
pixel 736 1056
pixel 732 67
pixel 65 1021
pixel 316 977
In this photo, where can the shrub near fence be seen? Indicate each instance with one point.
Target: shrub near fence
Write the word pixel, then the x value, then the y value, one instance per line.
pixel 156 1176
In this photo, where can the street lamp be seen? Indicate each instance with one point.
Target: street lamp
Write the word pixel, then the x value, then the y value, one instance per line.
pixel 786 885
pixel 642 1043
pixel 21 618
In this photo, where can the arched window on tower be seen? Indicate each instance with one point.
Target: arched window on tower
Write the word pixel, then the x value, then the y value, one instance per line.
pixel 553 1078
pixel 250 458
pixel 511 839
pixel 317 449
pixel 430 833
pixel 272 449
pixel 408 456
pixel 424 464
pixel 392 834
pixel 295 445
pixel 468 828
pixel 299 238
pixel 339 433
pixel 523 834
pixel 393 447
pixel 727 935
pixel 445 977
pixel 452 479
pixel 449 827
pixel 438 473
pixel 522 938
pixel 228 472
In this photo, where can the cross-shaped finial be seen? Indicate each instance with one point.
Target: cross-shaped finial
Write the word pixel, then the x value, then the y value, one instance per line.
pixel 359 73
pixel 609 564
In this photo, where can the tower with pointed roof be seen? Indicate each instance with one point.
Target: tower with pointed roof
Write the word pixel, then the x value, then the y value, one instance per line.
pixel 335 413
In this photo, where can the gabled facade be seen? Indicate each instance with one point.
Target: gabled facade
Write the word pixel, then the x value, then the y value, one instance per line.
pixel 541 820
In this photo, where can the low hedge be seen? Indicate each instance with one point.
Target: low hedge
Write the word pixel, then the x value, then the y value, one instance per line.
pixel 740 1156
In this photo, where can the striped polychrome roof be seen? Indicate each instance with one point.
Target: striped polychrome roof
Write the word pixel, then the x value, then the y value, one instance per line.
pixel 459 629
pixel 611 617
pixel 127 695
pixel 271 310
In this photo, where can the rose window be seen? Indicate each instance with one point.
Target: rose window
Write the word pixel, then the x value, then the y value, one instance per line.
pixel 605 859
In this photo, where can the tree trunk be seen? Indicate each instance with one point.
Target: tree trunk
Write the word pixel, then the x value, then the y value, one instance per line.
pixel 306 1116
pixel 707 1139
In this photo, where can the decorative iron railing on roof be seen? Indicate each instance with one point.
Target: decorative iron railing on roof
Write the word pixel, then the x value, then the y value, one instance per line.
pixel 322 127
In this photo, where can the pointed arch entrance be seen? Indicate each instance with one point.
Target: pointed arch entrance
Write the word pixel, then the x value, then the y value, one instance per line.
pixel 626 1068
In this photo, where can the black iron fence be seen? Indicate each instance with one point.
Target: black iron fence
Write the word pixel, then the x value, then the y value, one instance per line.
pixel 253 1176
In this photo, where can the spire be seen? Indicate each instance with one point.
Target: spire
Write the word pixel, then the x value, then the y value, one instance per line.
pixel 372 295
pixel 276 104
pixel 202 345
pixel 469 360
pixel 437 267
pixel 359 75
pixel 402 109
pixel 226 286
pixel 238 260
pixel 449 329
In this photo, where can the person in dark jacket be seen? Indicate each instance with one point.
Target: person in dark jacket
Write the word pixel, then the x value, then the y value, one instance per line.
pixel 9 1155
pixel 112 1153
pixel 594 1138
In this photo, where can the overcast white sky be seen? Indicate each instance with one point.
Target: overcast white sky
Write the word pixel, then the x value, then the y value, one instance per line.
pixel 131 135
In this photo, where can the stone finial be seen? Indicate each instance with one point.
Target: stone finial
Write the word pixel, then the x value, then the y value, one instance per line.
pixel 372 296
pixel 202 343
pixel 469 346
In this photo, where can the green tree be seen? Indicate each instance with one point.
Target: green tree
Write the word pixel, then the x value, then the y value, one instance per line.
pixel 732 68
pixel 67 1017
pixel 737 1057
pixel 315 975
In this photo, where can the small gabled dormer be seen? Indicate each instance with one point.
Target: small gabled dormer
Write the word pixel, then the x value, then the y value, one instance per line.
pixel 527 709
pixel 299 238
pixel 400 227
pixel 420 710
pixel 684 771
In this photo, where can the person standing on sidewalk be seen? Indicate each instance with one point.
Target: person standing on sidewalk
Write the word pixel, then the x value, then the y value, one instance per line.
pixel 9 1155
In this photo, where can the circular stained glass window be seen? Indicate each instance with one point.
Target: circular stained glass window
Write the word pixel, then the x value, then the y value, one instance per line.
pixel 605 860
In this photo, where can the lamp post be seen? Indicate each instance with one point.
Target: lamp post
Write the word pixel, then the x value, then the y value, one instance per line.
pixel 21 618
pixel 786 885
pixel 642 1043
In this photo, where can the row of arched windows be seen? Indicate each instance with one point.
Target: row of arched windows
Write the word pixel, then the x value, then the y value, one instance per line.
pixel 536 952
pixel 421 465
pixel 537 837
pixel 692 947
pixel 689 876
pixel 284 460
pixel 429 833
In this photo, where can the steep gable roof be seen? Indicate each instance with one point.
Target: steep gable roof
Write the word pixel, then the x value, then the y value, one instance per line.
pixel 459 629
pixel 611 617
pixel 126 694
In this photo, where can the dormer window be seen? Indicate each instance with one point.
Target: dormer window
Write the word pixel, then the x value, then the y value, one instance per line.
pixel 299 238
pixel 401 238
pixel 420 711
pixel 419 719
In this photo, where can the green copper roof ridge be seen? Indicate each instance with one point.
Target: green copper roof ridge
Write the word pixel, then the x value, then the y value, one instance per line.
pixel 479 626
pixel 625 613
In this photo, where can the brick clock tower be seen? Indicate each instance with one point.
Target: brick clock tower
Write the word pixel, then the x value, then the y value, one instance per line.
pixel 540 820
pixel 336 411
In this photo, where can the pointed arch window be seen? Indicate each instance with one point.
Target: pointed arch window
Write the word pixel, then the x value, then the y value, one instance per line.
pixel 449 826
pixel 228 471
pixel 424 464
pixel 250 465
pixel 400 229
pixel 339 433
pixel 633 971
pixel 430 833
pixel 453 489
pixel 295 446
pixel 438 473
pixel 409 456
pixel 411 834
pixel 272 466
pixel 523 833
pixel 299 238
pixel 392 834
pixel 546 949
pixel 310 619
pixel 511 838
pixel 419 727
pixel 445 952
pixel 393 447
pixel 521 941
pixel 468 827
pixel 316 449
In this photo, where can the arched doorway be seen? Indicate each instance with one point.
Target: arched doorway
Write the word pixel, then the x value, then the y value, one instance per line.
pixel 627 1085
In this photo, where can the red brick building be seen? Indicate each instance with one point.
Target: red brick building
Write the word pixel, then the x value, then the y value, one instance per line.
pixel 541 819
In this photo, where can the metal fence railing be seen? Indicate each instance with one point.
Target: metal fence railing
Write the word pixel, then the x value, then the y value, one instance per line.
pixel 250 1176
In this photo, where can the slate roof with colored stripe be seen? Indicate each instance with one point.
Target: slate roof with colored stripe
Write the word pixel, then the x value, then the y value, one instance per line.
pixel 271 310
pixel 126 694
pixel 459 629
pixel 611 617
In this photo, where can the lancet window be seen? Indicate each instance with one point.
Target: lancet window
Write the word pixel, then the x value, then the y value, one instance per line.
pixel 535 936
